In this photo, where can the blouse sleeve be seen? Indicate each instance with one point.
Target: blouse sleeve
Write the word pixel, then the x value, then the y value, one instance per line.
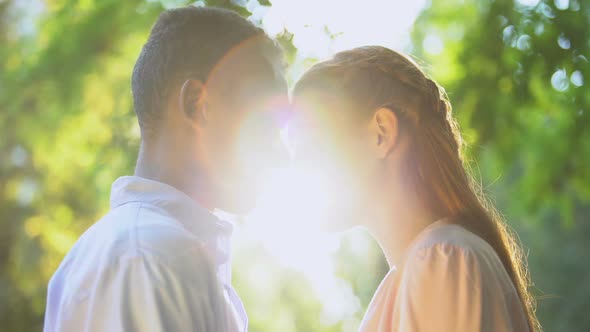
pixel 443 289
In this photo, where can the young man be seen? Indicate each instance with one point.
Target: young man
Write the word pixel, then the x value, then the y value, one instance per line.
pixel 205 85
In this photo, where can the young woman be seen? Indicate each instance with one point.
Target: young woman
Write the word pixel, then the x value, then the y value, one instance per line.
pixel 371 115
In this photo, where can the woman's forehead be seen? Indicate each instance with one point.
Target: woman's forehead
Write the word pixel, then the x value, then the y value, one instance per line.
pixel 319 100
pixel 321 108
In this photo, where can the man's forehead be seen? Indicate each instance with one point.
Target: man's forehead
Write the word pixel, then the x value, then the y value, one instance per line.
pixel 253 61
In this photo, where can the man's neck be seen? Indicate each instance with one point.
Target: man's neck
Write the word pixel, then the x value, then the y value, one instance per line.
pixel 173 168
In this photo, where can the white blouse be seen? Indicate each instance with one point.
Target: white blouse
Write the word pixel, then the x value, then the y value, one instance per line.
pixel 450 280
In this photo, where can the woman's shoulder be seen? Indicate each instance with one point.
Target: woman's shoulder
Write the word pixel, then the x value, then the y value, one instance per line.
pixel 447 245
pixel 449 238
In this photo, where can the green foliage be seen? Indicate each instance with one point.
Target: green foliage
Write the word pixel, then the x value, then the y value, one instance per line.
pixel 518 92
pixel 517 76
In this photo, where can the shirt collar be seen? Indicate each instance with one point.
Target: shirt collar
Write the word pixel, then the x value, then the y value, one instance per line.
pixel 214 233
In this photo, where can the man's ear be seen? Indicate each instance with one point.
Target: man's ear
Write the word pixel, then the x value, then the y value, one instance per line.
pixel 384 131
pixel 192 101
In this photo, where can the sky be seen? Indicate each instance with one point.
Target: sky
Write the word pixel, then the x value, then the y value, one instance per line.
pixel 323 27
pixel 353 23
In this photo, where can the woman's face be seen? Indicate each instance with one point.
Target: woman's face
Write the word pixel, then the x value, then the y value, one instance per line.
pixel 333 141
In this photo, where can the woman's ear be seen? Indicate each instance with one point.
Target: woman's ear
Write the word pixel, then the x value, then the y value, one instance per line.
pixel 384 130
pixel 192 101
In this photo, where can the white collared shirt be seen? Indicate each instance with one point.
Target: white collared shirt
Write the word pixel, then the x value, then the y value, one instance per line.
pixel 157 261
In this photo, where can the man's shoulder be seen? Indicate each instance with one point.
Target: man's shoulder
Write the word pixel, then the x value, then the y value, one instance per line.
pixel 161 235
pixel 141 229
pixel 132 230
pixel 127 236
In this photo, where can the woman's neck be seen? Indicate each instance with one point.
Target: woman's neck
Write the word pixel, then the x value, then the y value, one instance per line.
pixel 397 224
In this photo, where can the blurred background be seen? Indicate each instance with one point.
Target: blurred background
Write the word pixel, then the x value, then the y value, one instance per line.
pixel 516 71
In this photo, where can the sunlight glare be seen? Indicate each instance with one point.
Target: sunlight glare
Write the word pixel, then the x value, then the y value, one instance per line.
pixel 287 223
pixel 321 28
pixel 287 220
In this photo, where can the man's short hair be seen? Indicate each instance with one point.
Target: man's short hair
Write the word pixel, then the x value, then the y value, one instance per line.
pixel 187 43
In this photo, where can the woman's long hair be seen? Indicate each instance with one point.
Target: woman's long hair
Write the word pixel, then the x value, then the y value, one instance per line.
pixel 372 77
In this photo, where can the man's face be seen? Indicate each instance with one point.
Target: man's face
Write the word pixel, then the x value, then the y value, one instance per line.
pixel 245 105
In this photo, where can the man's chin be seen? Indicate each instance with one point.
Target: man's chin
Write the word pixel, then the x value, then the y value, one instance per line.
pixel 240 205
